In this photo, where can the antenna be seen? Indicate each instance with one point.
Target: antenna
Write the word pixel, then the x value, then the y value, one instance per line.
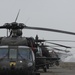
pixel 17 15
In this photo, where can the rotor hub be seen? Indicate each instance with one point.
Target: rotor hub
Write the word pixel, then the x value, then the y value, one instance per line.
pixel 14 25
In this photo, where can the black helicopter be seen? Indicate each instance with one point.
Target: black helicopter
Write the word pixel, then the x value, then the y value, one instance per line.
pixel 44 53
pixel 52 57
pixel 17 52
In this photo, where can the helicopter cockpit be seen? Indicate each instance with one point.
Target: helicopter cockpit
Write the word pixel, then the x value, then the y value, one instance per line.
pixel 16 56
pixel 39 52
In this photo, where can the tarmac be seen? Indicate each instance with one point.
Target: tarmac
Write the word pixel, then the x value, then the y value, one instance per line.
pixel 63 69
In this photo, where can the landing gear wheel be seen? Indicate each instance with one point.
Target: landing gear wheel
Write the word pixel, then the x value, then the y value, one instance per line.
pixel 48 66
pixel 45 69
pixel 57 63
pixel 37 73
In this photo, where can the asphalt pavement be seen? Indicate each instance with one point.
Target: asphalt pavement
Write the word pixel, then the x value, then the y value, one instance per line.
pixel 57 71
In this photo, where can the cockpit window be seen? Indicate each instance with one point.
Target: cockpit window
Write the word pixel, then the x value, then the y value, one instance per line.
pixel 3 52
pixel 25 53
pixel 16 53
pixel 39 52
pixel 13 53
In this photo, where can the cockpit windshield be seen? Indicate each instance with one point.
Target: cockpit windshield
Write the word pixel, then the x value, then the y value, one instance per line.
pixel 16 53
pixel 3 52
pixel 25 53
pixel 12 53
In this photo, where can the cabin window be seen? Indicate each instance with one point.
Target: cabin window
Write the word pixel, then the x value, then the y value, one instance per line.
pixel 3 52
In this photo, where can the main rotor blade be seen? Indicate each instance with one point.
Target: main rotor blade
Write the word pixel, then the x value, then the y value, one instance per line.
pixel 61 50
pixel 44 46
pixel 48 29
pixel 22 26
pixel 61 40
pixel 59 45
pixel 40 40
pixel 2 27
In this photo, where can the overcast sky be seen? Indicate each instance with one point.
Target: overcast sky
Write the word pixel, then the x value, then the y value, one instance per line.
pixel 56 14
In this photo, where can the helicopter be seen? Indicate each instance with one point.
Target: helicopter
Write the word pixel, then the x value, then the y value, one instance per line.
pixel 15 39
pixel 17 52
pixel 52 56
pixel 44 52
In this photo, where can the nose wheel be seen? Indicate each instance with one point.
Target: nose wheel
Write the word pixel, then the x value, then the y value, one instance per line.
pixel 45 69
